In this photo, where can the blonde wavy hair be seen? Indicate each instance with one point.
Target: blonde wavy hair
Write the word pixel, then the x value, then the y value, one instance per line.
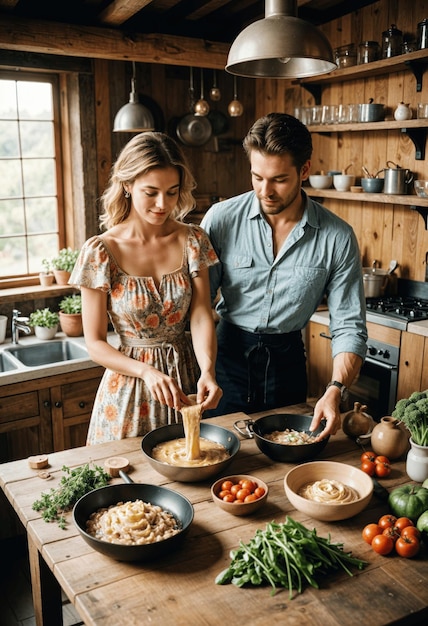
pixel 140 155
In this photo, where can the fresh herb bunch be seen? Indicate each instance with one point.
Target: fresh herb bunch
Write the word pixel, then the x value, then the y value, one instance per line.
pixel 72 486
pixel 286 555
pixel 413 412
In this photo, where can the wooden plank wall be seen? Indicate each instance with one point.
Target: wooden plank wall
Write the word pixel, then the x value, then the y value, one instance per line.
pixel 387 231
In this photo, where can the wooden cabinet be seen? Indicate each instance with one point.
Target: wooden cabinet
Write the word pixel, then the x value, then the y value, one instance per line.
pixel 319 358
pixel 47 414
pixel 413 376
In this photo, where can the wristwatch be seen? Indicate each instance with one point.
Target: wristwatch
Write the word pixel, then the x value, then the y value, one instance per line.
pixel 343 390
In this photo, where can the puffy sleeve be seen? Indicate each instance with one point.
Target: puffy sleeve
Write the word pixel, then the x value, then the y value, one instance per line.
pixel 200 253
pixel 93 266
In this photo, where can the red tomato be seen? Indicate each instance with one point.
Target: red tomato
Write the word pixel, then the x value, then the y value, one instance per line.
pixel 242 494
pixel 403 522
pixel 224 492
pixel 235 488
pixel 382 459
pixel 382 469
pixel 407 546
pixel 382 544
pixel 368 456
pixel 226 485
pixel 387 520
pixel 248 484
pixel 370 531
pixel 411 531
pixel 392 532
pixel 369 467
pixel 229 497
pixel 251 498
pixel 259 492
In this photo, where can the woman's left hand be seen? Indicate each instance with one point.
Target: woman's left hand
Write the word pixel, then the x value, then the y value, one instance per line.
pixel 209 393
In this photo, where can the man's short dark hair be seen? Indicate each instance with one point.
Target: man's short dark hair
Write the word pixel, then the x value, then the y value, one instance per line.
pixel 280 133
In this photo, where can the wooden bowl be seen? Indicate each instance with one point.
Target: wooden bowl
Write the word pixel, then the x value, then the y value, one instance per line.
pixel 235 508
pixel 301 475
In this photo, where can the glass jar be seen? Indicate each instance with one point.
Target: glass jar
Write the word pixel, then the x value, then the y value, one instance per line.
pixel 368 51
pixel 423 34
pixel 392 41
pixel 345 56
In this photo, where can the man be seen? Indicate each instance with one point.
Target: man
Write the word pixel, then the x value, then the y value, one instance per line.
pixel 280 254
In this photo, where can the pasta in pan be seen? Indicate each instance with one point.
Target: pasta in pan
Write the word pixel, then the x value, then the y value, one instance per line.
pixel 132 523
pixel 329 492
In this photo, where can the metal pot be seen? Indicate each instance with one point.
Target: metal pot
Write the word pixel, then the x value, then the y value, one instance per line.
pixel 371 112
pixel 194 130
pixel 375 282
pixel 281 421
pixel 396 179
pixel 190 474
pixel 172 501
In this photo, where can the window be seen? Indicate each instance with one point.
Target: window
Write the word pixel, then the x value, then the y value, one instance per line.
pixel 30 173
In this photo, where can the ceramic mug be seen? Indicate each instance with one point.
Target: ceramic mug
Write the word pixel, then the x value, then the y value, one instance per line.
pixel 3 326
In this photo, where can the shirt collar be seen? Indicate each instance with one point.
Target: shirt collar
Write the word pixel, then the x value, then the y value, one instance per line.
pixel 309 217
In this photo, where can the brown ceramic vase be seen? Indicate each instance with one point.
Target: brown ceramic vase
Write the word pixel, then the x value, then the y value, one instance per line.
pixel 389 438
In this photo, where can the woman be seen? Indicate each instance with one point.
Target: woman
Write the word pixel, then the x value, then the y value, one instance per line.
pixel 148 274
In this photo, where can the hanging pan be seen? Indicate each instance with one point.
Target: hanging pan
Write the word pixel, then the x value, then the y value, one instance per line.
pixel 193 130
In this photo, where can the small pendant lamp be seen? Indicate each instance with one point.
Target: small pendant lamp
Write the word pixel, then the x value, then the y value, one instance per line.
pixel 133 117
pixel 280 46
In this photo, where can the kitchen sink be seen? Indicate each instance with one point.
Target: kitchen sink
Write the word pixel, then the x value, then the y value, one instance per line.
pixel 47 353
pixel 6 364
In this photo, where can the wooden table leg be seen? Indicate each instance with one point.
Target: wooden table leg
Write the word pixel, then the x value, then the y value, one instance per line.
pixel 45 588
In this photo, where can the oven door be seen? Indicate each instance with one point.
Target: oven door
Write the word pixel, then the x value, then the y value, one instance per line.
pixel 376 387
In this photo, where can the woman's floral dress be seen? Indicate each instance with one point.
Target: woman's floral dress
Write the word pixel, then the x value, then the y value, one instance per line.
pixel 151 324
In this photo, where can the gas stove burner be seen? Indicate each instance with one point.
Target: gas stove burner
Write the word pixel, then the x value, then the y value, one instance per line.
pixel 405 307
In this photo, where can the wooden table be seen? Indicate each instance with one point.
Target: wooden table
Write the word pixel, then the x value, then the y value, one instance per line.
pixel 179 589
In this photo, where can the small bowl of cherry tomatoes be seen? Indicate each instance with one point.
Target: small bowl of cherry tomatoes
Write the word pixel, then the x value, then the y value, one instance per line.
pixel 240 494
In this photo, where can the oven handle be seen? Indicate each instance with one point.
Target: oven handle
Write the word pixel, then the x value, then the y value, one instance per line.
pixel 385 366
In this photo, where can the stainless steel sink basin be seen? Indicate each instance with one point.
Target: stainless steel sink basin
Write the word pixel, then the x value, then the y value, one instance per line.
pixel 47 353
pixel 6 364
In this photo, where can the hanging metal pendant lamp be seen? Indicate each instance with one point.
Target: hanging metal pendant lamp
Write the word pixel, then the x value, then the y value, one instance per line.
pixel 280 46
pixel 133 117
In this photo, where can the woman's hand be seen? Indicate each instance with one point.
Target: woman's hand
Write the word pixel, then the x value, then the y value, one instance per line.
pixel 209 393
pixel 164 389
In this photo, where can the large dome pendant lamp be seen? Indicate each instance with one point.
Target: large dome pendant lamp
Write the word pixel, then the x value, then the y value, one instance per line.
pixel 133 117
pixel 280 46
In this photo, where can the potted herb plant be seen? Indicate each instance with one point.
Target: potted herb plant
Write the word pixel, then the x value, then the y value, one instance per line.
pixel 46 276
pixel 45 323
pixel 63 264
pixel 70 315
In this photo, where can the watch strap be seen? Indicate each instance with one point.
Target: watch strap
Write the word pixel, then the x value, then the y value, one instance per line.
pixel 340 386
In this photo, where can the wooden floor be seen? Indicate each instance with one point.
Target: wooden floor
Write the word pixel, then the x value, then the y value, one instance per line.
pixel 16 605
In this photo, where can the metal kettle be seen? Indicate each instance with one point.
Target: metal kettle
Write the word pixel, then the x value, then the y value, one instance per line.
pixel 396 179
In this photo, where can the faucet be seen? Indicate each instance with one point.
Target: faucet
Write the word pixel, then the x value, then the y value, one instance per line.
pixel 19 324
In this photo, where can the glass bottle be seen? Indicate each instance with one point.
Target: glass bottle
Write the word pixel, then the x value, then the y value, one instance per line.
pixel 368 51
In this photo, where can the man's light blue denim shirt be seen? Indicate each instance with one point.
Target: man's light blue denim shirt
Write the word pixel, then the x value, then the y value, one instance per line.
pixel 265 294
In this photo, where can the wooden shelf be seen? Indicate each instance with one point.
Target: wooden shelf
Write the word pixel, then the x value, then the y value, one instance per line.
pixel 414 202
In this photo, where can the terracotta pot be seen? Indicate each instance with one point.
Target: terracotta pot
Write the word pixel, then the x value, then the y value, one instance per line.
pixel 389 438
pixel 62 277
pixel 71 324
pixel 46 280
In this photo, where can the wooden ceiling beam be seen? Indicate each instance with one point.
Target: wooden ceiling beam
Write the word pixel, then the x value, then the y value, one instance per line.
pixel 103 43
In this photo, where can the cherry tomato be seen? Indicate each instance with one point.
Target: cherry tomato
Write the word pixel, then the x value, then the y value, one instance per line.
pixel 382 544
pixel 368 456
pixel 259 492
pixel 248 484
pixel 251 498
pixel 242 494
pixel 407 546
pixel 224 492
pixel 226 485
pixel 382 469
pixel 392 532
pixel 382 459
pixel 235 488
pixel 370 531
pixel 387 520
pixel 369 467
pixel 229 497
pixel 403 522
pixel 411 531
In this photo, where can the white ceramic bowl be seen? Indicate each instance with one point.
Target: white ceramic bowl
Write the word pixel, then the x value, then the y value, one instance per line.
pixel 320 181
pixel 343 182
pixel 421 188
pixel 351 476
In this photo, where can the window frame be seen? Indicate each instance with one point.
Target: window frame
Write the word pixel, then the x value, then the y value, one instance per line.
pixel 54 80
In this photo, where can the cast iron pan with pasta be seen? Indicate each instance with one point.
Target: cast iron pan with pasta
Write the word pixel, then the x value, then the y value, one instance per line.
pixel 104 497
